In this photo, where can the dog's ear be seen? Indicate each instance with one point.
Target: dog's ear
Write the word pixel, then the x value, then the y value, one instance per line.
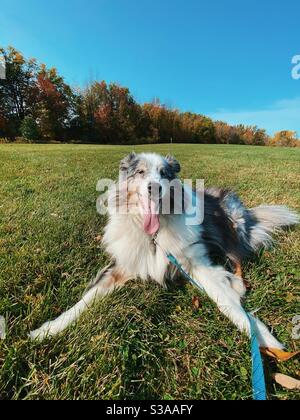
pixel 175 165
pixel 127 161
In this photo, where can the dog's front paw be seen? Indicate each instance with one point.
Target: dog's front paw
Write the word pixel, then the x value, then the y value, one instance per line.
pixel 45 331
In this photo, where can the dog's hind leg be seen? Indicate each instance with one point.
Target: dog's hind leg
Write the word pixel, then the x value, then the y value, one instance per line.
pixel 105 282
pixel 238 270
pixel 217 283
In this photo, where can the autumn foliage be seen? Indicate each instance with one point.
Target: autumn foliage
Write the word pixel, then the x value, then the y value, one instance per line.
pixel 37 104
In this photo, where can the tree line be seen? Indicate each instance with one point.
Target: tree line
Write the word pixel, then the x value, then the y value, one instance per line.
pixel 37 105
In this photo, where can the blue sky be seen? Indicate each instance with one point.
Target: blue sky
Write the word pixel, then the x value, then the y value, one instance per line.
pixel 227 59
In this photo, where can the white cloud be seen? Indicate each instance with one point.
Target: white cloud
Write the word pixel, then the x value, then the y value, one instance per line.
pixel 282 115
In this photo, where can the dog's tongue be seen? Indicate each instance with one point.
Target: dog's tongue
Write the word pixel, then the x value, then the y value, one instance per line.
pixel 150 216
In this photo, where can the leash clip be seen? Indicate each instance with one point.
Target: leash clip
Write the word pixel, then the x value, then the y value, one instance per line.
pixel 154 238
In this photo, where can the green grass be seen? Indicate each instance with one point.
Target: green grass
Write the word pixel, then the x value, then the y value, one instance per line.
pixel 141 342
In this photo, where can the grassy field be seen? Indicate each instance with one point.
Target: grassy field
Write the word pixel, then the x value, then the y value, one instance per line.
pixel 142 342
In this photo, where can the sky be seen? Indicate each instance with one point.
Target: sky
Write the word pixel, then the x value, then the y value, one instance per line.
pixel 231 60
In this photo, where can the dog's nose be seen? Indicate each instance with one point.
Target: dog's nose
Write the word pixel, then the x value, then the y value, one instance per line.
pixel 154 188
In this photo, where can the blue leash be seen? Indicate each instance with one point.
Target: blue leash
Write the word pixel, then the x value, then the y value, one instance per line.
pixel 258 376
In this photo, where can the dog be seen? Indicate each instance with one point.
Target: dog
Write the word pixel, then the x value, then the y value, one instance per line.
pixel 139 236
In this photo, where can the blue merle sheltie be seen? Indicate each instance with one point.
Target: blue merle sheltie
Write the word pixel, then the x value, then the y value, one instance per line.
pixel 139 239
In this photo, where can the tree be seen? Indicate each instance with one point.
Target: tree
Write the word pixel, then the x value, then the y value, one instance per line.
pixel 240 134
pixel 29 129
pixel 31 90
pixel 110 114
pixel 187 127
pixel 54 104
pixel 226 134
pixel 163 123
pixel 198 128
pixel 37 102
pixel 285 139
pixel 17 91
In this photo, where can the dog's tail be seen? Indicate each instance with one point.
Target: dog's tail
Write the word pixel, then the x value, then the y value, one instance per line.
pixel 266 221
pixel 255 226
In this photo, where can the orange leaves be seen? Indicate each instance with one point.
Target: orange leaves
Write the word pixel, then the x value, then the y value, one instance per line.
pixel 285 138
pixel 196 302
pixel 46 86
pixel 279 355
pixel 18 58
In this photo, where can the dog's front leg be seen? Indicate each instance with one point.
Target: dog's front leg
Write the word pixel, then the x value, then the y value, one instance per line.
pixel 218 284
pixel 110 279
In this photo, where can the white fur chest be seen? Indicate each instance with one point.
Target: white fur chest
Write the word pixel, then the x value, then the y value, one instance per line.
pixel 134 251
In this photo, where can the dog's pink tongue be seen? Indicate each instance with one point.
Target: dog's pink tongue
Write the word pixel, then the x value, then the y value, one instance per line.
pixel 150 217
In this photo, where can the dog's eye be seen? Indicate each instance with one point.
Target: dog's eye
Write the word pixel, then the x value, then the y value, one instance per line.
pixel 163 172
pixel 141 172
